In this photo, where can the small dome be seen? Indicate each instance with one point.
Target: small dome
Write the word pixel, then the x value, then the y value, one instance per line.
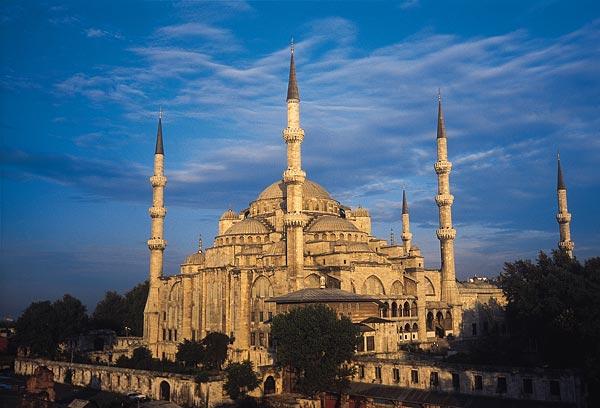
pixel 229 215
pixel 247 226
pixel 360 212
pixel 195 259
pixel 331 223
pixel 279 190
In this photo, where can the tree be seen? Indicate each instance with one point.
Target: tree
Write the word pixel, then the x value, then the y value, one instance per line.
pixel 215 350
pixel 240 380
pixel 315 345
pixel 135 302
pixel 36 329
pixel 141 359
pixel 71 317
pixel 190 353
pixel 110 312
pixel 553 311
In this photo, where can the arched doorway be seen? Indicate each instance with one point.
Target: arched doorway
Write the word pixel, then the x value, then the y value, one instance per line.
pixel 165 391
pixel 269 386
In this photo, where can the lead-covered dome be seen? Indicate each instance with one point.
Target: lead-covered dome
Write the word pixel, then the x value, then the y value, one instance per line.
pixel 247 226
pixel 279 190
pixel 329 223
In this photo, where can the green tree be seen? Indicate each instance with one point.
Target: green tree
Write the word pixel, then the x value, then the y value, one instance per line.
pixel 240 380
pixel 141 359
pixel 190 353
pixel 71 317
pixel 135 302
pixel 315 344
pixel 110 312
pixel 215 350
pixel 36 329
pixel 553 312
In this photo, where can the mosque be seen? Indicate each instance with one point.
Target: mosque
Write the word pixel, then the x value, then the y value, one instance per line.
pixel 297 243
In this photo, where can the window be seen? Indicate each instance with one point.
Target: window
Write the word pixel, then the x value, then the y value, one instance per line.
pixel 170 335
pixel 370 343
pixel 193 335
pixel 175 337
pixel 396 375
pixel 554 388
pixel 361 371
pixel 261 316
pixel 527 386
pixel 378 373
pixel 252 316
pixel 434 380
pixel 261 339
pixel 501 385
pixel 270 315
pixel 474 329
pixel 253 339
pixel 478 383
pixel 164 334
pixel 164 315
pixel 361 344
pixel 455 381
pixel 414 376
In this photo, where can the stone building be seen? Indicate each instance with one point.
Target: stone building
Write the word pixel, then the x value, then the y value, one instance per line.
pixel 294 236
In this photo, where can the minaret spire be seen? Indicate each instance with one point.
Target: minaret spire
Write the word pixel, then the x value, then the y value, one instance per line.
pixel 563 216
pixel 293 177
pixel 156 243
pixel 445 233
pixel 406 235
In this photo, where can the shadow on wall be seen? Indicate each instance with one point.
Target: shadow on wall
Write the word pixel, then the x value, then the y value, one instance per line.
pixel 483 319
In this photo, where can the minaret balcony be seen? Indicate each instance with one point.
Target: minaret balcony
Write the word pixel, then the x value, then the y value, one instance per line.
pixel 444 200
pixel 157 212
pixel 293 134
pixel 563 217
pixel 158 181
pixel 294 176
pixel 406 236
pixel 157 244
pixel 442 166
pixel 295 220
pixel 445 234
pixel 566 245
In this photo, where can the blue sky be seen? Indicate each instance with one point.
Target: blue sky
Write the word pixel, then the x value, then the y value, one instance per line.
pixel 81 84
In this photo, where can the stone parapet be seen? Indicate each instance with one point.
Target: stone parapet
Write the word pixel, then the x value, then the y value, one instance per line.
pixel 291 135
pixel 157 212
pixel 566 245
pixel 294 176
pixel 563 217
pixel 158 181
pixel 442 166
pixel 445 234
pixel 295 220
pixel 444 200
pixel 157 244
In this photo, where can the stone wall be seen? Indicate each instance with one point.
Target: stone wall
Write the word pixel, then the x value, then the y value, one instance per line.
pixel 182 389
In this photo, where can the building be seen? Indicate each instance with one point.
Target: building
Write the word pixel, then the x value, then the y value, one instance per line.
pixel 295 236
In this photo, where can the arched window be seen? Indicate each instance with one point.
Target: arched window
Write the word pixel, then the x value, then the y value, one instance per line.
pixel 261 311
pixel 448 321
pixel 413 309
pixel 429 321
pixel 384 309
pixel 312 281
pixel 373 286
pixel 394 309
pixel 397 289
pixel 406 309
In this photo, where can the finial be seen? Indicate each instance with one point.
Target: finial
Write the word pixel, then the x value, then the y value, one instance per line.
pixel 200 244
pixel 160 113
pixel 292 44
pixel 392 237
pixel 439 95
pixel 159 137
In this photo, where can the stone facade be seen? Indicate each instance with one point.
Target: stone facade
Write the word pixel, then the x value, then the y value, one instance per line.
pixel 181 389
pixel 293 236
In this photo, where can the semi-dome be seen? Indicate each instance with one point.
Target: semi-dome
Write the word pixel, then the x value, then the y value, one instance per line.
pixel 247 226
pixel 328 223
pixel 229 215
pixel 360 212
pixel 279 190
pixel 196 258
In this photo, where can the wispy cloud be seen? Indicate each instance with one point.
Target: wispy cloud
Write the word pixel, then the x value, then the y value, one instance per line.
pixel 100 33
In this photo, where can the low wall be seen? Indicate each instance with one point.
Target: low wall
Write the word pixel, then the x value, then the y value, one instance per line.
pixel 181 389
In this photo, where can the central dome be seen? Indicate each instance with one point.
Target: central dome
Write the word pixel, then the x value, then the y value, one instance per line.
pixel 279 190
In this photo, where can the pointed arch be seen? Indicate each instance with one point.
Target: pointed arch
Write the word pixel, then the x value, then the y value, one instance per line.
pixel 312 281
pixel 373 286
pixel 397 288
pixel 429 288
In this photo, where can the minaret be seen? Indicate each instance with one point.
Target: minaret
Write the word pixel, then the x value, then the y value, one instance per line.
pixel 444 199
pixel 406 235
pixel 156 243
pixel 563 216
pixel 293 178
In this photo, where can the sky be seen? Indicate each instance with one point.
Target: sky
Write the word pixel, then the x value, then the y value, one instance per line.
pixel 81 84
